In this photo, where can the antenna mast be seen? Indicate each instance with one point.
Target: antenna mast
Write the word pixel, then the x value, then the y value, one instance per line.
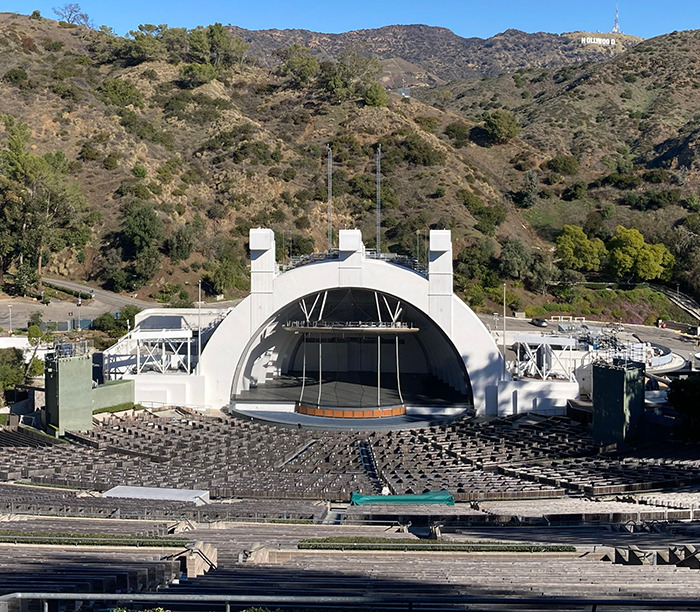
pixel 379 199
pixel 330 198
pixel 616 28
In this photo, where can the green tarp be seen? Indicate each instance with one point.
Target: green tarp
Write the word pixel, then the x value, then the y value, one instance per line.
pixel 431 497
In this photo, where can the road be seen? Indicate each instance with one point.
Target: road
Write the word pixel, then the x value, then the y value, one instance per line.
pixel 114 301
pixel 63 310
pixel 680 299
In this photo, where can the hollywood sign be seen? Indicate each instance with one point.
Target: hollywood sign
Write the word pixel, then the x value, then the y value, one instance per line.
pixel 589 40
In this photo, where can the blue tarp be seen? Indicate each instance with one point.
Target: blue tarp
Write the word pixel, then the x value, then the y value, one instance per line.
pixel 431 497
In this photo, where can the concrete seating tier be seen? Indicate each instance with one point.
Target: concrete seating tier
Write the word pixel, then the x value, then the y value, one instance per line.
pixel 676 499
pixel 607 476
pixel 15 437
pixel 546 575
pixel 575 510
pixel 81 527
pixel 51 569
pixel 17 499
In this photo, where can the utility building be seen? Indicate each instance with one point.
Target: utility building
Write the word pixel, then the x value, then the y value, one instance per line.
pixel 618 400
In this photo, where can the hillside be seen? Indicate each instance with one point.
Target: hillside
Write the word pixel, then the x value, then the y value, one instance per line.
pixel 180 142
pixel 436 55
pixel 630 123
pixel 239 151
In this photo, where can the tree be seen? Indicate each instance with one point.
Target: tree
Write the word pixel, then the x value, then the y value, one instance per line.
pixel 11 369
pixel 376 95
pixel 459 132
pixel 576 252
pixel 142 229
pixel 515 259
pixel 630 256
pixel 528 196
pixel 541 274
pixel 501 126
pixel 228 275
pixel 353 73
pixel 225 49
pixel 199 46
pixel 298 64
pixel 35 337
pixel 72 13
pixel 146 44
pixel 178 246
pixel 40 206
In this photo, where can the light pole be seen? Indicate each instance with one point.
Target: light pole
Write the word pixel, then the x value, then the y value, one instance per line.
pixel 199 327
pixel 80 327
pixel 10 307
pixel 504 331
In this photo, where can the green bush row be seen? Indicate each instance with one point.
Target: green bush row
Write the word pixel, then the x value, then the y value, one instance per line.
pixel 369 543
pixel 119 408
pixel 83 295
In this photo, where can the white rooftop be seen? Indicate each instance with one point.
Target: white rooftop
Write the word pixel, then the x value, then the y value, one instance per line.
pixel 195 496
pixel 535 340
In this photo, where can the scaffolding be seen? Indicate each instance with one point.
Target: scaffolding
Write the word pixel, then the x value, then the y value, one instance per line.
pixel 150 350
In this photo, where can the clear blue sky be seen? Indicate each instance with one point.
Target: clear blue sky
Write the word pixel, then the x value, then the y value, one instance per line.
pixel 481 18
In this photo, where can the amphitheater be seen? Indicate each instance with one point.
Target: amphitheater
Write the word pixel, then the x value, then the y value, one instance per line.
pixel 542 519
pixel 351 373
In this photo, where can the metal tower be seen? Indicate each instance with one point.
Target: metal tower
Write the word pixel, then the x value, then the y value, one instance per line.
pixel 616 28
pixel 330 198
pixel 379 198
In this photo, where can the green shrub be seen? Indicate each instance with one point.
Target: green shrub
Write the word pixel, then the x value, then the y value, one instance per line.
pixel 376 95
pixel 52 45
pixel 144 129
pixel 563 164
pixel 657 176
pixel 459 132
pixel 67 91
pixel 111 161
pixel 501 126
pixel 575 191
pixel 139 171
pixel 88 152
pixel 194 75
pixel 16 76
pixel 120 92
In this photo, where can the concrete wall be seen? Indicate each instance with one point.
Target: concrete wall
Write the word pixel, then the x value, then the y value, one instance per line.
pixel 518 396
pixel 70 397
pixel 112 393
pixel 169 390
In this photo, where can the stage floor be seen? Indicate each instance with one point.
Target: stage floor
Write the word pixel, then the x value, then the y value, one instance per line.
pixel 355 390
